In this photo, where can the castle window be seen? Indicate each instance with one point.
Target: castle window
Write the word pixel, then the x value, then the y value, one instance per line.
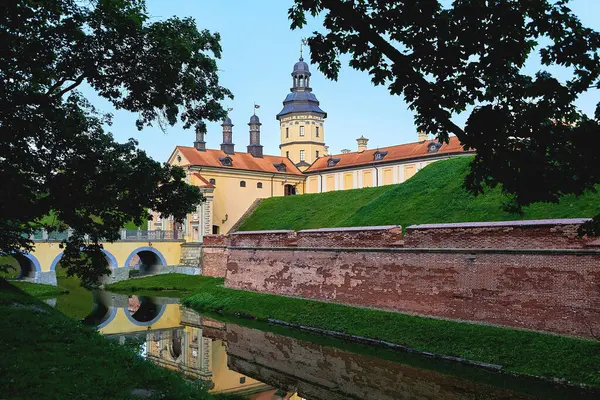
pixel 242 183
pixel 317 154
pixel 226 161
pixel 301 131
pixel 317 131
pixel 178 158
pixel 301 155
pixel 287 154
pixel 212 181
pixel 379 155
pixel 287 132
pixel 259 185
pixel 332 162
pixel 433 147
pixel 280 167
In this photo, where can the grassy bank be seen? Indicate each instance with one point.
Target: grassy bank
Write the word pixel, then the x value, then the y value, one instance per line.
pixel 165 282
pixel 38 289
pixel 49 356
pixel 521 352
pixel 435 194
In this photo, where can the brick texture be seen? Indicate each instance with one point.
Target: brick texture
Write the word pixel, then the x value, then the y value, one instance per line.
pixel 511 276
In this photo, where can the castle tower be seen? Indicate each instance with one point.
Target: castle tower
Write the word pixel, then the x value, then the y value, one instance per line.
pixel 301 121
pixel 255 148
pixel 227 146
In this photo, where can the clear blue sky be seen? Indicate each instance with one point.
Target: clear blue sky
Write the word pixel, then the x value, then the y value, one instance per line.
pixel 259 50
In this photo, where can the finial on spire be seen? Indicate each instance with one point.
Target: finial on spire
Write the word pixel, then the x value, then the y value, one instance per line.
pixel 303 42
pixel 255 107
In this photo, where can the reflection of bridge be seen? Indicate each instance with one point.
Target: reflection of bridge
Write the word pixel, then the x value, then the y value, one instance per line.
pixel 174 339
pixel 152 251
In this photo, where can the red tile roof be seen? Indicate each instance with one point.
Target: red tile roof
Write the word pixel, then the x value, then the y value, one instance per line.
pixel 394 153
pixel 244 161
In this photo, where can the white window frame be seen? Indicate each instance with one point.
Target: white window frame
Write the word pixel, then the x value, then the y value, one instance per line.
pixel 302 130
pixel 301 155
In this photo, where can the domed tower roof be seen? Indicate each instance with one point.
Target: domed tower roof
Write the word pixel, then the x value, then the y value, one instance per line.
pixel 227 121
pixel 301 99
pixel 301 67
pixel 254 119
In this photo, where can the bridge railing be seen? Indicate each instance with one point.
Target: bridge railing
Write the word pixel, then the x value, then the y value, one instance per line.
pixel 126 235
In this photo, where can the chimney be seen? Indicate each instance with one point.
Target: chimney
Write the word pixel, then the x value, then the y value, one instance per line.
pixel 422 136
pixel 325 151
pixel 200 144
pixel 362 143
pixel 345 151
pixel 254 147
pixel 227 146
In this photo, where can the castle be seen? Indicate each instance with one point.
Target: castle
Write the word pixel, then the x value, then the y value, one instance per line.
pixel 232 182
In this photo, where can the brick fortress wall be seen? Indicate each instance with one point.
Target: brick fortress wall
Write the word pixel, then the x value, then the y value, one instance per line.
pixel 527 274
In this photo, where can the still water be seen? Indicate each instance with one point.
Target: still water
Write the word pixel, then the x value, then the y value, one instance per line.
pixel 268 362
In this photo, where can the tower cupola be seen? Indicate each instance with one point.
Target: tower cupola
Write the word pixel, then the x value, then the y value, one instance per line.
pixel 200 144
pixel 255 147
pixel 227 146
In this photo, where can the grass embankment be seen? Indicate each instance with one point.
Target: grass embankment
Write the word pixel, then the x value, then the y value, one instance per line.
pixel 165 282
pixel 434 195
pixel 38 289
pixel 49 356
pixel 521 352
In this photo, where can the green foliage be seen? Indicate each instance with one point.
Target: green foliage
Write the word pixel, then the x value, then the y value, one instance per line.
pixel 50 356
pixel 434 195
pixel 59 165
pixel 522 352
pixel 446 58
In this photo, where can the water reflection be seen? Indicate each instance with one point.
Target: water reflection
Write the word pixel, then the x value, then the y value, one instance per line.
pixel 271 364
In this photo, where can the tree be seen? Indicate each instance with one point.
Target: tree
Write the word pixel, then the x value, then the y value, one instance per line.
pixel 56 157
pixel 470 55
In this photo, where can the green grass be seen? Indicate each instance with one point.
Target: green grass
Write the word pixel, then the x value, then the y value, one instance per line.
pixel 164 282
pixel 79 302
pixel 38 289
pixel 46 355
pixel 521 352
pixel 434 195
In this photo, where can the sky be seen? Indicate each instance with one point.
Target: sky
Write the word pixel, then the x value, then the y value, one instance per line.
pixel 259 51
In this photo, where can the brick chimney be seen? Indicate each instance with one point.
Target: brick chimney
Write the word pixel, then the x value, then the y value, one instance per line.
pixel 422 136
pixel 362 143
pixel 200 144
pixel 255 147
pixel 227 146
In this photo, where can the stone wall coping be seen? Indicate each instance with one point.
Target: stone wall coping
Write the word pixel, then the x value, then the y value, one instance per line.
pixel 261 232
pixel 351 229
pixel 519 224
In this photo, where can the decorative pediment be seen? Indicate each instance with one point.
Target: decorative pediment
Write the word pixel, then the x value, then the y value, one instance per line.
pixel 226 161
pixel 379 155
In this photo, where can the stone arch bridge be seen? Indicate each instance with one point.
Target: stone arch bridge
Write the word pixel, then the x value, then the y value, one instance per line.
pixel 151 252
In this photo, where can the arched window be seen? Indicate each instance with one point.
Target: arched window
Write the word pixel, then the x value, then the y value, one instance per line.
pixel 242 183
pixel 259 185
pixel 212 181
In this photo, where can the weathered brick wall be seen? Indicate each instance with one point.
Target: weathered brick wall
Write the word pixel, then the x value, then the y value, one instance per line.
pixel 280 238
pixel 537 234
pixel 214 255
pixel 369 236
pixel 541 288
pixel 331 373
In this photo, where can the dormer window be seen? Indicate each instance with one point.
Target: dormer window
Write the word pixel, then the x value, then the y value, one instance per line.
pixel 178 158
pixel 332 162
pixel 226 161
pixel 379 155
pixel 433 147
pixel 280 167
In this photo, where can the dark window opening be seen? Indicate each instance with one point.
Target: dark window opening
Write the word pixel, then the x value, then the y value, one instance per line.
pixel 287 132
pixel 259 185
pixel 289 190
pixel 242 183
pixel 212 181
pixel 215 229
pixel 379 155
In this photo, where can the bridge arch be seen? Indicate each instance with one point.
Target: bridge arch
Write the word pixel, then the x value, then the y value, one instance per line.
pixel 150 259
pixel 30 266
pixel 112 261
pixel 147 313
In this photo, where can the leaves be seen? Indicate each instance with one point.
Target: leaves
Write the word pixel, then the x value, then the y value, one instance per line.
pixel 447 58
pixel 55 155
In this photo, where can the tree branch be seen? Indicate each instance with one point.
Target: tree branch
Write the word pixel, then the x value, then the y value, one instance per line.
pixel 356 20
pixel 76 83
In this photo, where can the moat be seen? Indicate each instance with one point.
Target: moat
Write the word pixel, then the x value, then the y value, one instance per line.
pixel 259 361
